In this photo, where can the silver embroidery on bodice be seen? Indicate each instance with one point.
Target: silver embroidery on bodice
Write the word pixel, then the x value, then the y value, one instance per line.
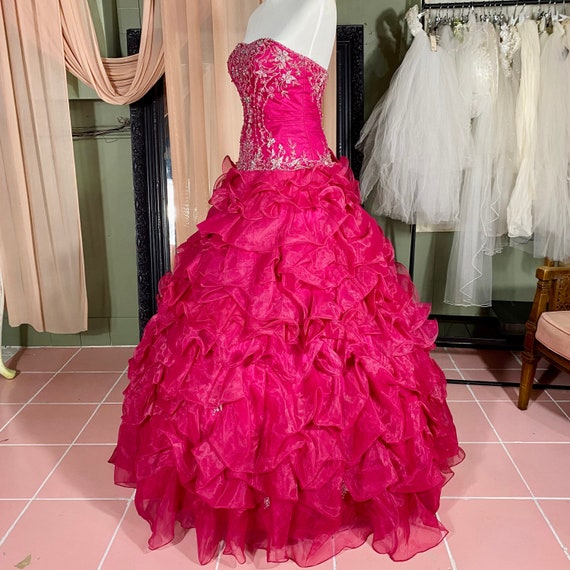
pixel 281 93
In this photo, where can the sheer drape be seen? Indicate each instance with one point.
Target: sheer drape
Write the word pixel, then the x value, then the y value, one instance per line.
pixel 120 80
pixel 204 111
pixel 41 257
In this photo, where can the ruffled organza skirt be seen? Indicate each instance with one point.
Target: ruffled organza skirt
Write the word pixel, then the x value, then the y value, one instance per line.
pixel 283 396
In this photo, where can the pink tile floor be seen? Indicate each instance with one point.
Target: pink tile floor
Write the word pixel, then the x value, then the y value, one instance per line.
pixel 508 507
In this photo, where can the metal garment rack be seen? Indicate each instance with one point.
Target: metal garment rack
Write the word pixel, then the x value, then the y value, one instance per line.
pixel 483 4
pixel 470 343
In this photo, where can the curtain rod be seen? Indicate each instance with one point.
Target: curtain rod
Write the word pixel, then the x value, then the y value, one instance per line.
pixel 488 4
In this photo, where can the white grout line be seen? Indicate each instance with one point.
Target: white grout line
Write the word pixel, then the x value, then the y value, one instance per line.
pixel 53 375
pixel 465 442
pixel 532 496
pixel 451 559
pixel 54 444
pixel 535 500
pixel 92 371
pixel 334 555
pixel 66 498
pixel 219 559
pixel 448 548
pixel 64 403
pixel 482 498
pixel 560 408
pixel 112 539
pixel 11 528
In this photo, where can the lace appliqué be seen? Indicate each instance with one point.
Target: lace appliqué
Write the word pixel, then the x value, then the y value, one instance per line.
pixel 413 20
pixel 260 80
pixel 510 45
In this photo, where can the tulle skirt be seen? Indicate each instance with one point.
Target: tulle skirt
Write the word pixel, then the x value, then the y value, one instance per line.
pixel 552 201
pixel 417 142
pixel 283 396
pixel 487 183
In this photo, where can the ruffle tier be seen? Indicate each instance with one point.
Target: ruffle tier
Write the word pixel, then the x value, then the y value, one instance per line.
pixel 283 396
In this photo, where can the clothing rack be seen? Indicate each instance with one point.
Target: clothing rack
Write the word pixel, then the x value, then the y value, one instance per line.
pixel 486 4
pixel 470 342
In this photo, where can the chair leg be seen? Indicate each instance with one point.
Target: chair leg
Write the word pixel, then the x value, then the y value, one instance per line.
pixel 528 371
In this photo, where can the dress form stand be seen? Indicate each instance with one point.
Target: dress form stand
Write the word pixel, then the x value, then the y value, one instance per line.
pixel 307 27
pixel 4 371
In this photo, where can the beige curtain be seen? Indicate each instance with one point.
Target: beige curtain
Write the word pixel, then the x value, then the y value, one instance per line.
pixel 121 80
pixel 204 111
pixel 41 258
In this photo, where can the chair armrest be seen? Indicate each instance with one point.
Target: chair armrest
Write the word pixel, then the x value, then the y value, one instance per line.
pixel 547 273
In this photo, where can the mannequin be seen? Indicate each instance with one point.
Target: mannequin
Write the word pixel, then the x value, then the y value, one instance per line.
pixel 307 27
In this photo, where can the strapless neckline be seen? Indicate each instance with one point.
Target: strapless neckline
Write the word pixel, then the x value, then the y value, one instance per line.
pixel 285 47
pixel 281 93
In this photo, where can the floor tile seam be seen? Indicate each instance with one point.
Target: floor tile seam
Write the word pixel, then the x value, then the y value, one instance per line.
pixel 471 392
pixel 22 406
pixel 471 368
pixel 447 547
pixel 53 374
pixel 89 371
pixel 67 499
pixel 552 529
pixel 519 360
pixel 497 435
pixel 53 444
pixel 334 563
pixel 561 409
pixel 523 479
pixel 26 403
pixel 58 463
pixel 466 442
pixel 60 369
pixel 114 535
pixel 220 554
pixel 455 365
pixel 521 442
pixel 103 400
pixel 509 442
pixel 501 498
pixel 508 400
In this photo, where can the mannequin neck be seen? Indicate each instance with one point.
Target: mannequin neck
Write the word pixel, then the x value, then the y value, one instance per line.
pixel 308 27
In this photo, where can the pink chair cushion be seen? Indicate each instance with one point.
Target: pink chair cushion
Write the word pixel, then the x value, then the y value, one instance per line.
pixel 553 331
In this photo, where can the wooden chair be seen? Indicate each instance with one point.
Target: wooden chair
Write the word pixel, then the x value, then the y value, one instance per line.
pixel 547 328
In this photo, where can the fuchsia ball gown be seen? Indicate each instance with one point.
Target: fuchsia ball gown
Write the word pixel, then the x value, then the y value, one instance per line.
pixel 283 396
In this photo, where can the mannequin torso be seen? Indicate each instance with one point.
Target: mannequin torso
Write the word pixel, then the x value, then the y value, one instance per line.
pixel 307 27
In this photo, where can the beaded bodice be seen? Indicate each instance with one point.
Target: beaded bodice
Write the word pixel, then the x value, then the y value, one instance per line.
pixel 281 93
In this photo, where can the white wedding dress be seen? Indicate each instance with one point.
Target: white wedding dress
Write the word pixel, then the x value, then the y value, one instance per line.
pixel 416 142
pixel 552 194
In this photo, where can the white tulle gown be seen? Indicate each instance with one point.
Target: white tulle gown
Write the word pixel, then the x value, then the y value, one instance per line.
pixel 520 222
pixel 416 142
pixel 552 198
